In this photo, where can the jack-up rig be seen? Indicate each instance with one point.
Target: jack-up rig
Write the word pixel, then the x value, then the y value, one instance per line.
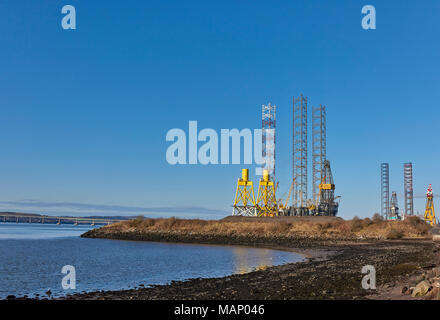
pixel 390 208
pixel 323 202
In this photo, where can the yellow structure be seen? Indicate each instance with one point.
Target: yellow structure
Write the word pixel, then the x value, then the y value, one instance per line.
pixel 429 211
pixel 266 202
pixel 244 203
pixel 326 186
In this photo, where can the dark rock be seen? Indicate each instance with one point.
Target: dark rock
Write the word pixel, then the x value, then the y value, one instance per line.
pixel 434 294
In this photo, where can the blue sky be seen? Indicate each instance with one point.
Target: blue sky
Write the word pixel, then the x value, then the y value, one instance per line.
pixel 84 113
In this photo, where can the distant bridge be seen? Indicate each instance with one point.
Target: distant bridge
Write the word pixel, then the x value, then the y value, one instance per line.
pixel 55 220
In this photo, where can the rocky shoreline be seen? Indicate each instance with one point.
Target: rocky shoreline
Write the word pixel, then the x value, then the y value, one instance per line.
pixel 332 270
pixel 273 241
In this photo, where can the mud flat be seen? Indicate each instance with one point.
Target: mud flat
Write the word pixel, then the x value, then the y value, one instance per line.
pixel 332 270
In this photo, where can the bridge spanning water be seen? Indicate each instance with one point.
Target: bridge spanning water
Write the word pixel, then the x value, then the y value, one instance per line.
pixel 55 219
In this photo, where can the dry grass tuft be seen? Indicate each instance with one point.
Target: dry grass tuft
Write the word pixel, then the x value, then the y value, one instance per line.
pixel 394 234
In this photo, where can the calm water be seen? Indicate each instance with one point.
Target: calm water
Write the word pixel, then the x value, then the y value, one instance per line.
pixel 32 256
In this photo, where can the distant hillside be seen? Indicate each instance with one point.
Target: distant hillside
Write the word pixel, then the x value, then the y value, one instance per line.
pixel 13 214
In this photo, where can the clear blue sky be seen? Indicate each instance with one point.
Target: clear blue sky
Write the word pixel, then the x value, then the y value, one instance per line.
pixel 84 113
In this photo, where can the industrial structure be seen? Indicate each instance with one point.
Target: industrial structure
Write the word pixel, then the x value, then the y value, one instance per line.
pixel 266 204
pixel 429 211
pixel 244 203
pixel 394 208
pixel 327 206
pixel 385 189
pixel 300 194
pixel 408 189
pixel 269 139
pixel 319 149
pixel 389 207
pixel 323 187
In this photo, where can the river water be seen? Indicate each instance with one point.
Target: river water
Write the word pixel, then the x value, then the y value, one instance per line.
pixel 33 255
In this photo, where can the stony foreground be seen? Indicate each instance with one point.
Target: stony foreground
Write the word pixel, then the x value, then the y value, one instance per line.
pixel 333 271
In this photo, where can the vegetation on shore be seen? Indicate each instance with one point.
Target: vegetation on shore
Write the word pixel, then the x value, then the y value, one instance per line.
pixel 316 227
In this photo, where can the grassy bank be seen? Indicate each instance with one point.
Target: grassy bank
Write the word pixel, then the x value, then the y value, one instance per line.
pixel 290 227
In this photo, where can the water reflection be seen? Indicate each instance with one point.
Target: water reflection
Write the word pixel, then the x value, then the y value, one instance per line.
pixel 247 260
pixel 32 257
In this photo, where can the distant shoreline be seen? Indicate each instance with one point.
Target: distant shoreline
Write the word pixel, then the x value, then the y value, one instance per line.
pixel 37 215
pixel 15 217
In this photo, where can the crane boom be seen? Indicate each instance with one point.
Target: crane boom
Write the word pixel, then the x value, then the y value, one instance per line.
pixel 288 195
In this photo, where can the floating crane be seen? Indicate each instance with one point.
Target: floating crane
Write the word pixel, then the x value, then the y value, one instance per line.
pixel 429 211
